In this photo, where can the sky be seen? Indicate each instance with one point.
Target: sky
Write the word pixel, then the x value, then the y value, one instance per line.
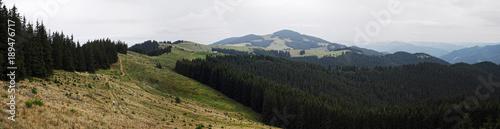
pixel 350 22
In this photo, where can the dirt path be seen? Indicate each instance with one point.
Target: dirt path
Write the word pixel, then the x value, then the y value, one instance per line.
pixel 121 67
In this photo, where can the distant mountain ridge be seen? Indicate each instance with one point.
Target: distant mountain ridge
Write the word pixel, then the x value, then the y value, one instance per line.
pixel 363 60
pixel 282 40
pixel 439 45
pixel 474 55
pixel 396 46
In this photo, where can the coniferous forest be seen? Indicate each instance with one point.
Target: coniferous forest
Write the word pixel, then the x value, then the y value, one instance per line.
pixel 424 95
pixel 151 48
pixel 39 52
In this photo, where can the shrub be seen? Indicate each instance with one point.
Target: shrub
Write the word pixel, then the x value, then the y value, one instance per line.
pixel 57 81
pixel 200 126
pixel 38 102
pixel 34 90
pixel 158 66
pixel 107 85
pixel 177 100
pixel 73 110
pixel 133 112
pixel 28 103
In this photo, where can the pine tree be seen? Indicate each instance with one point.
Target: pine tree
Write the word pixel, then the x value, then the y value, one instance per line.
pixel 80 58
pixel 36 60
pixel 68 55
pixel 3 41
pixel 89 59
pixel 302 52
pixel 57 51
pixel 46 49
pixel 20 41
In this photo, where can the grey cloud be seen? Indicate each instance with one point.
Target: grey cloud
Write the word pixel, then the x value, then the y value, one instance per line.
pixel 134 21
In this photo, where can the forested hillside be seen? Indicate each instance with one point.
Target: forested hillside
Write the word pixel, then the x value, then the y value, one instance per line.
pixel 474 54
pixel 151 48
pixel 282 40
pixel 352 97
pixel 362 60
pixel 351 57
pixel 38 53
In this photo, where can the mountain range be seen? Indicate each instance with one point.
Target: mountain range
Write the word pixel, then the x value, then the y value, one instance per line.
pixel 292 40
pixel 282 40
pixel 474 55
pixel 434 49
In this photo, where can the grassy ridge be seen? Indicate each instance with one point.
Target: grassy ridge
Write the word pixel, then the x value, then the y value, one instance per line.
pixel 190 46
pixel 144 96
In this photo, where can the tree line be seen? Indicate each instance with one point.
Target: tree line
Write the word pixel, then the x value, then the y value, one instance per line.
pixel 38 53
pixel 311 96
pixel 255 51
pixel 348 58
pixel 151 48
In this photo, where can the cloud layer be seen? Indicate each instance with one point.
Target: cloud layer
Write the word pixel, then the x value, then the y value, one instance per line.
pixel 207 21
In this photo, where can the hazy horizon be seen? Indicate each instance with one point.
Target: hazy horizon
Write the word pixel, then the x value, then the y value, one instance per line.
pixel 206 22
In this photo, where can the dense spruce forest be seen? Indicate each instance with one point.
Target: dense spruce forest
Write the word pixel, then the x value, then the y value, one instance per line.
pixel 255 51
pixel 349 58
pixel 363 60
pixel 424 95
pixel 38 53
pixel 151 48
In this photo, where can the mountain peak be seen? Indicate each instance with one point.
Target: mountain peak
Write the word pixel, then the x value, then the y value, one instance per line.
pixel 287 31
pixel 282 40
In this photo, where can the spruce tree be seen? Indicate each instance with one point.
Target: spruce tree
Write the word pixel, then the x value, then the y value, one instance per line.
pixel 35 50
pixel 80 58
pixel 68 55
pixel 57 51
pixel 3 41
pixel 20 41
pixel 46 49
pixel 89 59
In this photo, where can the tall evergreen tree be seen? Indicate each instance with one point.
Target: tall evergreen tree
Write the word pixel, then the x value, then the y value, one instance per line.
pixel 90 60
pixel 20 41
pixel 57 51
pixel 81 58
pixel 46 49
pixel 3 40
pixel 36 62
pixel 68 55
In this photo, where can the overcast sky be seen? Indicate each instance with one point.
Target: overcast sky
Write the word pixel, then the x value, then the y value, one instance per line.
pixel 208 21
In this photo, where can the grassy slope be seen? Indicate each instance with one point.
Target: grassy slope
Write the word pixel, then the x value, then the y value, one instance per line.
pixel 144 95
pixel 190 46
